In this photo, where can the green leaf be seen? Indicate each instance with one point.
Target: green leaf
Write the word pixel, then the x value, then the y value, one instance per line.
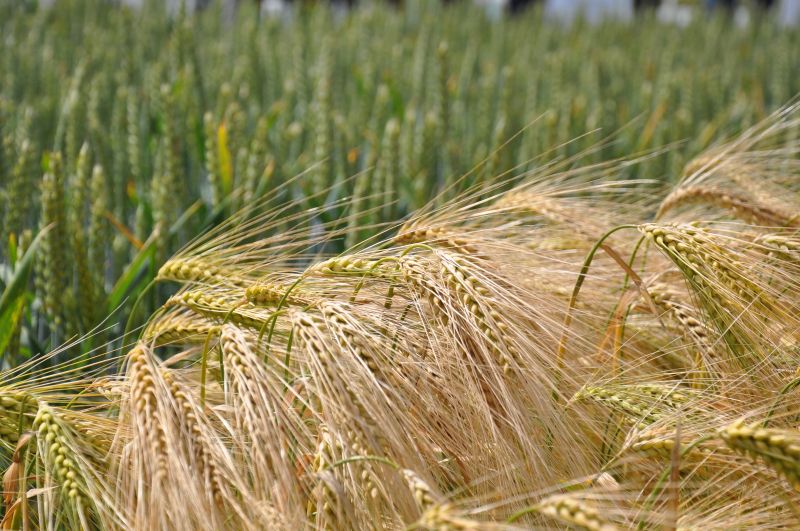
pixel 130 277
pixel 13 249
pixel 13 298
pixel 9 321
pixel 144 259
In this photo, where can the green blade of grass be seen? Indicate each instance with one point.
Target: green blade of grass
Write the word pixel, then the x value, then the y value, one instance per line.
pixel 12 300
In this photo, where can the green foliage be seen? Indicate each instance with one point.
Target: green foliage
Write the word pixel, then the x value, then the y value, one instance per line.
pixel 179 107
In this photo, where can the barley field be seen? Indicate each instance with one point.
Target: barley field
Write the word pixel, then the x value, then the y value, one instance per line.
pixel 397 267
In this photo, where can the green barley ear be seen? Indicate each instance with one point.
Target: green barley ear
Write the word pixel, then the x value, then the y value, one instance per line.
pixel 256 180
pixel 163 206
pixel 498 135
pixel 19 189
pixel 443 110
pixel 94 127
pixel 74 132
pixel 6 177
pixel 425 181
pixel 321 114
pixel 134 135
pixel 239 171
pixel 358 208
pixel 172 144
pixel 386 174
pixel 165 185
pixel 54 272
pixel 299 72
pixel 119 136
pixel 80 189
pixel 230 138
pixel 6 146
pixel 408 163
pixel 212 166
pixel 99 231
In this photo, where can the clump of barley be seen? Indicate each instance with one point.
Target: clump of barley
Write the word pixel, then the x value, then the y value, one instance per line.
pixel 464 288
pixel 356 407
pixel 736 303
pixel 265 423
pixel 211 158
pixel 312 335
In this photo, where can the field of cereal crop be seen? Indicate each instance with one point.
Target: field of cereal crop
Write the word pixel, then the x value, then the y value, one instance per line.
pixel 397 267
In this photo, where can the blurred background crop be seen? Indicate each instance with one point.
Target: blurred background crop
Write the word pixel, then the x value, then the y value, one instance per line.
pixel 130 127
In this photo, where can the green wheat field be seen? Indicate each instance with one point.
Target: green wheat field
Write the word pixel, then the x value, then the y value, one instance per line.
pixel 397 267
